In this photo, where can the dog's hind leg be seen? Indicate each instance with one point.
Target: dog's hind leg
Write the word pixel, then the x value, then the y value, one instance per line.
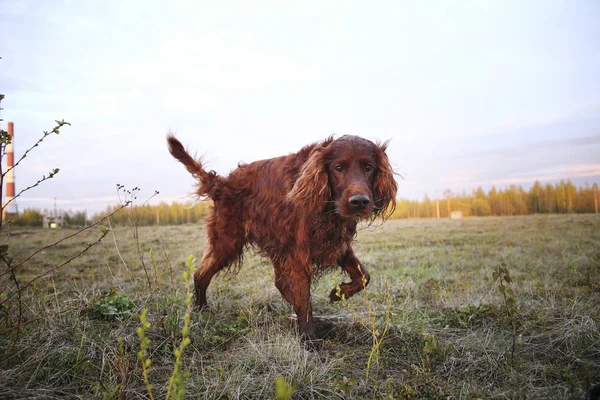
pixel 224 248
pixel 283 282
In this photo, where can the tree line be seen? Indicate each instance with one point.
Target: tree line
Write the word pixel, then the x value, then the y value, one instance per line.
pixel 33 217
pixel 160 214
pixel 563 197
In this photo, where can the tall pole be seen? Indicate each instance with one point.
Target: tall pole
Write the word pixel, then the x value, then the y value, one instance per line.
pixel 596 197
pixel 10 207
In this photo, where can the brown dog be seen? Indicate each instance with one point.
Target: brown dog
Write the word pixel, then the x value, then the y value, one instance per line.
pixel 299 210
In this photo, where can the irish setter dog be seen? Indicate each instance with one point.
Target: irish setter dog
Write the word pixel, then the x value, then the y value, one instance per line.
pixel 299 210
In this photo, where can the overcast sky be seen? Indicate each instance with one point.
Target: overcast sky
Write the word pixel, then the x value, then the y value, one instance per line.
pixel 470 92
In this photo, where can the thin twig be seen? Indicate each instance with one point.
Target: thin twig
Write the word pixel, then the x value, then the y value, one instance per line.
pixel 44 178
pixel 162 244
pixel 20 302
pixel 116 246
pixel 40 140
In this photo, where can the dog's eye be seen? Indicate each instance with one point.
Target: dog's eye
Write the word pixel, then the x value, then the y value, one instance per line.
pixel 339 168
pixel 369 168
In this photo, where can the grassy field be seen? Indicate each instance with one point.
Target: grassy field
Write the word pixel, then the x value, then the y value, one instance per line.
pixel 448 335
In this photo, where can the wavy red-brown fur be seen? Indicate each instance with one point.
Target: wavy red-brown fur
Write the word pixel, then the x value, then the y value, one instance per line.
pixel 300 210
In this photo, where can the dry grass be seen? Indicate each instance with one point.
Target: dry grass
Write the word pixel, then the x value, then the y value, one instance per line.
pixel 448 335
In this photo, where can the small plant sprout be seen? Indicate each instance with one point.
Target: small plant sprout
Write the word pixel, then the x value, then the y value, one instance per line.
pixel 283 390
pixel 429 348
pixel 509 305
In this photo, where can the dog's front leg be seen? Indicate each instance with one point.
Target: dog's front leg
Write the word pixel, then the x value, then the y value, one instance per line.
pixel 300 279
pixel 359 276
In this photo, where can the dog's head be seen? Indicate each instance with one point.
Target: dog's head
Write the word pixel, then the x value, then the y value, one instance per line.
pixel 351 175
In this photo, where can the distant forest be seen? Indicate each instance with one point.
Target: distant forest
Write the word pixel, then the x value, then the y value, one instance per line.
pixel 161 214
pixel 563 197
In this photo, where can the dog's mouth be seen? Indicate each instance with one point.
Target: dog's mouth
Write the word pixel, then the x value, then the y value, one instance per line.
pixel 366 213
pixel 351 213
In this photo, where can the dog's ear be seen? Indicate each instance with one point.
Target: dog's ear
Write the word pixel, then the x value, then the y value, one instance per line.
pixel 311 190
pixel 385 186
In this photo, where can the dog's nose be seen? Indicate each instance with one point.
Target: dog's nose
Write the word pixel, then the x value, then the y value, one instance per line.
pixel 359 201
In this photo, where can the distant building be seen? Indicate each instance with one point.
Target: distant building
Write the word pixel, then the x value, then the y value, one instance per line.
pixel 456 214
pixel 53 222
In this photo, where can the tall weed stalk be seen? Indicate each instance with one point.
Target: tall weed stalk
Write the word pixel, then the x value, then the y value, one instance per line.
pixel 370 324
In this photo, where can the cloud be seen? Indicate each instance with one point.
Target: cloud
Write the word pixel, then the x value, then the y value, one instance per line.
pixel 549 174
pixel 245 82
pixel 91 204
pixel 13 8
pixel 577 141
pixel 536 146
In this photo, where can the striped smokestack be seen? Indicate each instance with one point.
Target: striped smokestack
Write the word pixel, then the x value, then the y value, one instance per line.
pixel 10 209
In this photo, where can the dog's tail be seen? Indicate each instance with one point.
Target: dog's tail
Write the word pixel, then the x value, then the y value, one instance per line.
pixel 206 179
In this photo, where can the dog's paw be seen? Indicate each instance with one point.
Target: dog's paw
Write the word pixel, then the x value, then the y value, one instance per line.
pixel 336 295
pixel 312 344
pixel 202 307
